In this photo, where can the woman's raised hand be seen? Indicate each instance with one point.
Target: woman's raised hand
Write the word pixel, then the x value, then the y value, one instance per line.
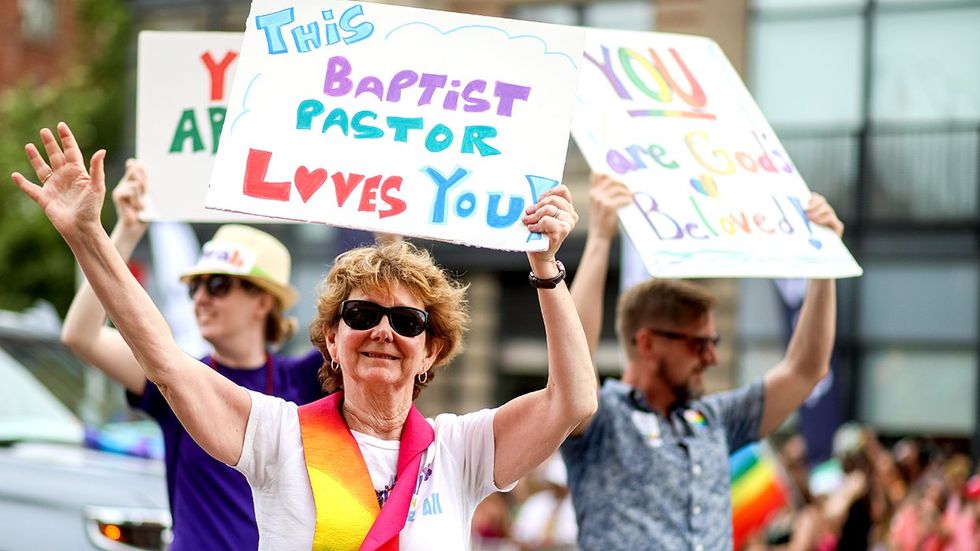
pixel 129 196
pixel 70 195
pixel 553 216
pixel 820 212
pixel 606 197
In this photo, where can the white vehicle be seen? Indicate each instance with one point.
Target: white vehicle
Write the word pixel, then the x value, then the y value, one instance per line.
pixel 55 493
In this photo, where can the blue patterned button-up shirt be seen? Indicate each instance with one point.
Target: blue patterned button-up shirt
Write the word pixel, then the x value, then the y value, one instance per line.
pixel 640 480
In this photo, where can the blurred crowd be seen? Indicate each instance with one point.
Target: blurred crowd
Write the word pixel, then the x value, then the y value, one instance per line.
pixel 915 495
pixel 536 515
pixel 912 496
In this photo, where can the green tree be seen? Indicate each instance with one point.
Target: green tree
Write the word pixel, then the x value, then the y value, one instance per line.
pixel 90 95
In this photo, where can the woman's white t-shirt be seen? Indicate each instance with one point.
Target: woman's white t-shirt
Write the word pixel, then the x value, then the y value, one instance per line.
pixel 455 475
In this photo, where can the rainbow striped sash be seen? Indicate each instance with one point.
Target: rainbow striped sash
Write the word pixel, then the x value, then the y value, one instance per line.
pixel 348 517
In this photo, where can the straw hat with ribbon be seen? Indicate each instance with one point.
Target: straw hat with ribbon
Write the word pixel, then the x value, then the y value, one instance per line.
pixel 250 254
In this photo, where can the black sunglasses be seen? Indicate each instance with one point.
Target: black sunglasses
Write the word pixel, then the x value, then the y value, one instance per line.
pixel 699 344
pixel 364 314
pixel 217 285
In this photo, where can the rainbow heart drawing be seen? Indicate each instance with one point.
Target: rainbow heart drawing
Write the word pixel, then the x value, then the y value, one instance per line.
pixel 705 186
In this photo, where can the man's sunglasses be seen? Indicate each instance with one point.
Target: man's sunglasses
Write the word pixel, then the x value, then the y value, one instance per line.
pixel 698 344
pixel 217 285
pixel 364 314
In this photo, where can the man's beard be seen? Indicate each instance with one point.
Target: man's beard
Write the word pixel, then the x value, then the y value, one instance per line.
pixel 689 390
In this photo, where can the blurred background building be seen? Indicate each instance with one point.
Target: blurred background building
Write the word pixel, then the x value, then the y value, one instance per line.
pixel 29 43
pixel 877 102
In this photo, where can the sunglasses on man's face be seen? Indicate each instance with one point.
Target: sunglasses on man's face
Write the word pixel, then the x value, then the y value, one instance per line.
pixel 697 343
pixel 364 314
pixel 217 285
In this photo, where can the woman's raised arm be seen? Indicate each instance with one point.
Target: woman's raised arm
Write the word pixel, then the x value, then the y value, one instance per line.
pixel 85 330
pixel 212 409
pixel 529 428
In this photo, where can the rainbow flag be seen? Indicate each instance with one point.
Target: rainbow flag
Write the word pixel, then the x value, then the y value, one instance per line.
pixel 758 493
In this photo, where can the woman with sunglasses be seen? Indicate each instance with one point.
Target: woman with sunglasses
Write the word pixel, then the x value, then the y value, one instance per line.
pixel 240 291
pixel 361 468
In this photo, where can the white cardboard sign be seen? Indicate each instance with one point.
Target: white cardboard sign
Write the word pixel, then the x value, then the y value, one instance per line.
pixel 425 123
pixel 183 83
pixel 715 194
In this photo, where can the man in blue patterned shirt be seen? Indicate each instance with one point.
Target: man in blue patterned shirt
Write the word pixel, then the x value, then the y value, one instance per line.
pixel 650 469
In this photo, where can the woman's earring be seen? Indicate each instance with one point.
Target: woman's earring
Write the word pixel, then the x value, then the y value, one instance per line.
pixel 334 365
pixel 423 378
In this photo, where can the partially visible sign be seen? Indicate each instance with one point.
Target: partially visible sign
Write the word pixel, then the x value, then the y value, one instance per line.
pixel 184 79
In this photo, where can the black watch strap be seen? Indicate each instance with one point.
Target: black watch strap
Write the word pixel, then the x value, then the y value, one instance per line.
pixel 547 283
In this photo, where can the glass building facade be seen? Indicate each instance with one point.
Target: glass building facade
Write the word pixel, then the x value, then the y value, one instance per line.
pixel 878 103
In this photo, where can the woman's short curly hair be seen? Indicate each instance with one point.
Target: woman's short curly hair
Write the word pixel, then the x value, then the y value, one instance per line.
pixel 379 268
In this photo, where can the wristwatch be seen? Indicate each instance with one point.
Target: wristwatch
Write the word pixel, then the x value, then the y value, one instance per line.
pixel 547 283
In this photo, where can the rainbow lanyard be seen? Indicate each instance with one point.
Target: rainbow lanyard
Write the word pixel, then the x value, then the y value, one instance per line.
pixel 348 516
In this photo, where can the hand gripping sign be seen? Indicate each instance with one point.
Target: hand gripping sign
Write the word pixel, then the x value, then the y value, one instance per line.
pixel 424 123
pixel 715 193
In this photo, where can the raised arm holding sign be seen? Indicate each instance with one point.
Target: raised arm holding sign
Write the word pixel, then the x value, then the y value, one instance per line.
pixel 650 468
pixel 703 188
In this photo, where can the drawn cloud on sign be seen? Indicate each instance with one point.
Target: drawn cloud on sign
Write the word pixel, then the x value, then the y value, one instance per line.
pixel 544 44
pixel 245 109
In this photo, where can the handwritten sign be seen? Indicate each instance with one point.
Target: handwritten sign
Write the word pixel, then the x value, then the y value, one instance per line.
pixel 424 123
pixel 715 193
pixel 184 79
